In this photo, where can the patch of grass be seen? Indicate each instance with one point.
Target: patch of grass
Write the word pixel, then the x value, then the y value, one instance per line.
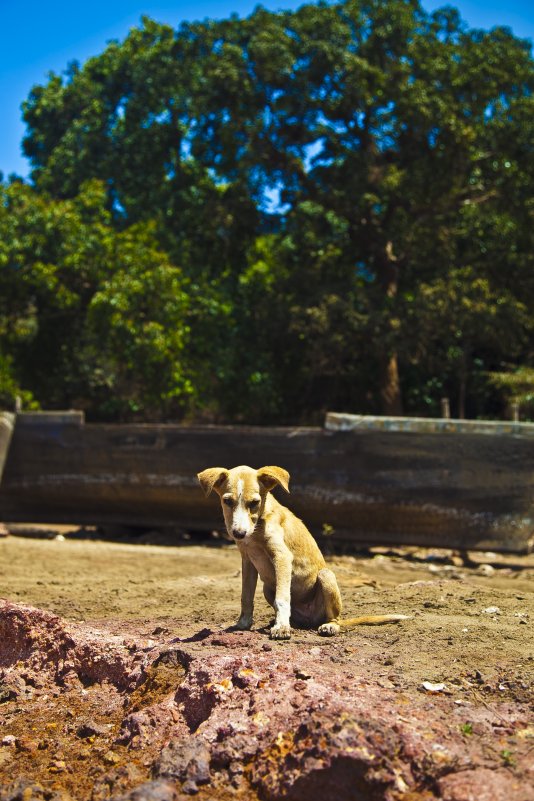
pixel 507 758
pixel 467 729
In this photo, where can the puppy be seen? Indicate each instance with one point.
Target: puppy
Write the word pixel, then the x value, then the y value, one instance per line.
pixel 278 547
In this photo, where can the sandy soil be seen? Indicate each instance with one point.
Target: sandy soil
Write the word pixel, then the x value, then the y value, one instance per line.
pixel 190 587
pixel 470 626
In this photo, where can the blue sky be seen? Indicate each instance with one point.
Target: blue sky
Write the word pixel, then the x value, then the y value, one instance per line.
pixel 38 37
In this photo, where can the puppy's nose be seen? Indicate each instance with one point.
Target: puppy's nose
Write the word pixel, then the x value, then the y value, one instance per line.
pixel 238 534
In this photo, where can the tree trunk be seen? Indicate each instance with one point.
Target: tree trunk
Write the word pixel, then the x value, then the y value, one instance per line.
pixel 390 389
pixel 390 393
pixel 461 396
pixel 462 390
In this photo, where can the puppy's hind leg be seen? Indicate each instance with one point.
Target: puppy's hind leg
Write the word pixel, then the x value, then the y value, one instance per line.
pixel 329 603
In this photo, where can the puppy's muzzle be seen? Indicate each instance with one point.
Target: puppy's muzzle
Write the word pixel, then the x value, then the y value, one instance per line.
pixel 237 534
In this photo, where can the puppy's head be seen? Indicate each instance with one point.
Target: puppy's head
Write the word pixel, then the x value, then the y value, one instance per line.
pixel 242 491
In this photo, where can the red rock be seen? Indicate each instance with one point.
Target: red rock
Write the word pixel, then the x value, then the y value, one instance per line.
pixel 484 784
pixel 218 714
pixel 153 791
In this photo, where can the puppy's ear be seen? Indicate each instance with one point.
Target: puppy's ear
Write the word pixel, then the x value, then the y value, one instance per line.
pixel 212 478
pixel 270 476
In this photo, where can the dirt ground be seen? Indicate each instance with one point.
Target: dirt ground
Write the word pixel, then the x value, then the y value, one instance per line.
pixel 464 618
pixel 469 632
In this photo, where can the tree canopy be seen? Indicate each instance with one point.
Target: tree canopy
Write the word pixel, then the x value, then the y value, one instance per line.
pixel 259 219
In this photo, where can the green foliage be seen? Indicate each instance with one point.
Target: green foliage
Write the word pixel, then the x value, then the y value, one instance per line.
pixel 90 317
pixel 465 319
pixel 517 386
pixel 508 758
pixel 467 729
pixel 146 273
pixel 10 391
pixel 137 332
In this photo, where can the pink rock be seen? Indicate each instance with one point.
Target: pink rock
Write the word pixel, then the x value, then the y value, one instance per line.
pixel 220 713
pixel 484 784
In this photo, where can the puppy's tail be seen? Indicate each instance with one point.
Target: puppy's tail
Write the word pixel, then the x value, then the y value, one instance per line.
pixel 371 620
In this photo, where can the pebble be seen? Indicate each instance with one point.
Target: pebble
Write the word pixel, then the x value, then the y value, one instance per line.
pixel 58 766
pixel 491 610
pixel 433 688
pixel 302 674
pixel 91 729
pixel 25 744
pixel 110 758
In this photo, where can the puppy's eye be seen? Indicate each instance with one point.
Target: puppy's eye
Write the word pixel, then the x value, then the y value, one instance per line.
pixel 228 501
pixel 254 505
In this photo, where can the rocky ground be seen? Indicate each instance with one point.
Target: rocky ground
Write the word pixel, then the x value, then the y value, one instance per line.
pixel 120 678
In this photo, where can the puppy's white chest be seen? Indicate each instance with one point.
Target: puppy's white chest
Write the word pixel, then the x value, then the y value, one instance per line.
pixel 261 562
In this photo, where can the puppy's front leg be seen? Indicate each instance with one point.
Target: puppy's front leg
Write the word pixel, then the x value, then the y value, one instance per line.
pixel 249 579
pixel 282 562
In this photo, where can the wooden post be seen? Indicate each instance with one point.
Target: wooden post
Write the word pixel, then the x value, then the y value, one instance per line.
pixel 7 424
pixel 514 412
pixel 445 409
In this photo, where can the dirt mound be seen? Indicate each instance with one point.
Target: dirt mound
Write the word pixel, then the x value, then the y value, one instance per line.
pixel 155 699
pixel 90 714
pixel 51 650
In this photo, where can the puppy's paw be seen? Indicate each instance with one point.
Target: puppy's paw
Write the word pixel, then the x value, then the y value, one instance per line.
pixel 280 632
pixel 243 624
pixel 328 629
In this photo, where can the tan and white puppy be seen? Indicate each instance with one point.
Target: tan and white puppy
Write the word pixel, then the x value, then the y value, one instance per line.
pixel 278 547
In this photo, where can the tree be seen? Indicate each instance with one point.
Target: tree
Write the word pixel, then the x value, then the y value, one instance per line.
pixel 90 317
pixel 53 256
pixel 137 332
pixel 402 117
pixel 517 387
pixel 473 321
pixel 397 146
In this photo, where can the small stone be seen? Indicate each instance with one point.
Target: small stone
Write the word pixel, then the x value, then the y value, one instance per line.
pixel 23 788
pixel 7 693
pixel 91 729
pixel 433 688
pixel 302 674
pixel 387 684
pixel 159 630
pixel 110 758
pixel 27 745
pixel 158 790
pixel 491 610
pixel 58 766
pixel 185 761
